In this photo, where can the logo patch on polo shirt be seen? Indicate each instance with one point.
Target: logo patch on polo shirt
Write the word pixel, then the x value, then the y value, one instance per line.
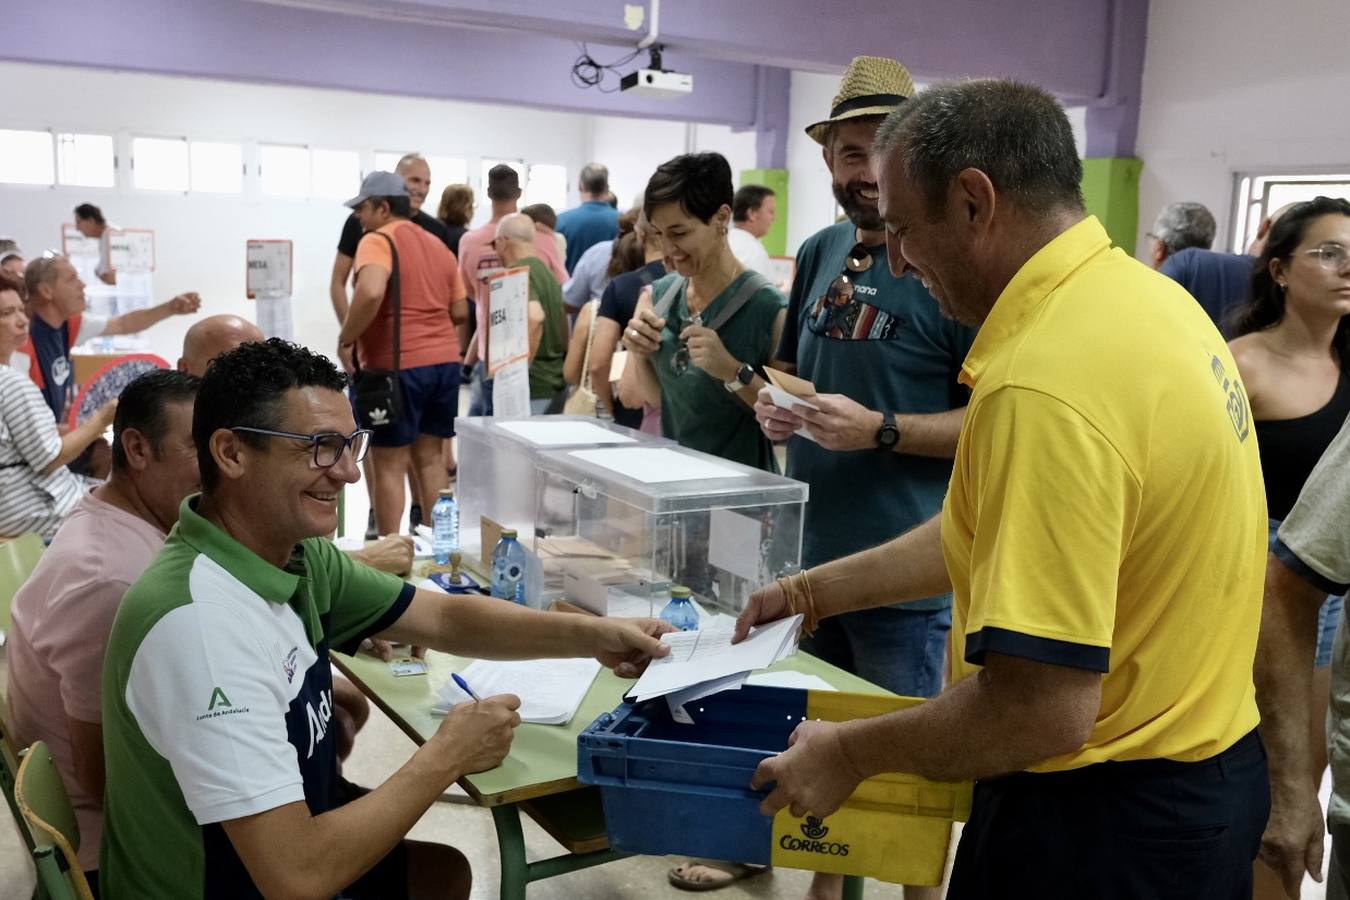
pixel 288 664
pixel 220 705
pixel 1239 410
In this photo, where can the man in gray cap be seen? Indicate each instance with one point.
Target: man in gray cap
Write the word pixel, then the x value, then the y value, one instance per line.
pixel 398 259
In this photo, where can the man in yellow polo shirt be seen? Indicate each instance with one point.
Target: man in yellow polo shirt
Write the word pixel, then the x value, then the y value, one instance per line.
pixel 1103 534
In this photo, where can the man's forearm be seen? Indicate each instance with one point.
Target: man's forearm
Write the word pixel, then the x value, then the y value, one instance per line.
pixel 487 628
pixel 910 567
pixel 992 723
pixel 931 434
pixel 337 292
pixel 1283 674
pixel 139 319
pixel 332 850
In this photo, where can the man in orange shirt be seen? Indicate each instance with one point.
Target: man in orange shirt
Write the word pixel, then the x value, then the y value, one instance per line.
pixel 433 325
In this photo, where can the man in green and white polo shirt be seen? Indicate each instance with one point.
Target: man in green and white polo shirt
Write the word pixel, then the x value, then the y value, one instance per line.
pixel 218 703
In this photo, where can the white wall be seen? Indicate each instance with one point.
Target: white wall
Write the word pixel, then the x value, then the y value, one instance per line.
pixel 633 148
pixel 200 237
pixel 1230 88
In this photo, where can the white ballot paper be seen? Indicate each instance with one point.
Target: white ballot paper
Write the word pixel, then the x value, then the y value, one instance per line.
pixel 699 657
pixel 550 690
pixel 783 400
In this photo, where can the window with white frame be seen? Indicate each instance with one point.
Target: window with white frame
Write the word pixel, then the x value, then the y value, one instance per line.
pixel 284 170
pixel 547 184
pixel 1258 195
pixel 216 167
pixel 26 157
pixel 86 160
pixel 445 171
pixel 336 174
pixel 387 160
pixel 160 164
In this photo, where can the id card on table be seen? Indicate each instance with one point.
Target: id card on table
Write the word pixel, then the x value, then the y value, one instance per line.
pixel 408 665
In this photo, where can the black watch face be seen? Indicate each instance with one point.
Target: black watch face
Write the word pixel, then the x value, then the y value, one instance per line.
pixel 889 435
pixel 745 374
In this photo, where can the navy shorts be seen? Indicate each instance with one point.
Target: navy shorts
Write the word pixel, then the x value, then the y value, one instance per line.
pixel 1154 829
pixel 430 404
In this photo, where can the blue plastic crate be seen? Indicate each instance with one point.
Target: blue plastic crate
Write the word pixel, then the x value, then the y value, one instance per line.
pixel 685 789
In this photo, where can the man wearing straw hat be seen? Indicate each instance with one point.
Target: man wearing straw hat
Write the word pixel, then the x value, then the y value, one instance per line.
pixel 887 413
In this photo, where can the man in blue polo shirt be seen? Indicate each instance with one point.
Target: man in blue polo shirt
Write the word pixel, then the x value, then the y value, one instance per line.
pixel 218 697
pixel 594 220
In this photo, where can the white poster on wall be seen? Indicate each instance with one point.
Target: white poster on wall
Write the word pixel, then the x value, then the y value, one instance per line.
pixel 508 319
pixel 508 355
pixel 269 268
pixel 131 249
pixel 511 391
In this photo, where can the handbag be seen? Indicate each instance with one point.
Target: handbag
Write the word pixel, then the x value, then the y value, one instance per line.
pixel 377 395
pixel 583 401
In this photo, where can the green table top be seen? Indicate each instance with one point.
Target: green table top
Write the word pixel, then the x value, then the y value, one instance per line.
pixel 543 758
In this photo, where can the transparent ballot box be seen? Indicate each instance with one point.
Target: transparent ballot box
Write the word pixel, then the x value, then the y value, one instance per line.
pixel 615 527
pixel 496 458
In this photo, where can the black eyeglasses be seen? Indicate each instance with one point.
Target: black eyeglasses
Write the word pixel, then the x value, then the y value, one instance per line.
pixel 328 445
pixel 680 362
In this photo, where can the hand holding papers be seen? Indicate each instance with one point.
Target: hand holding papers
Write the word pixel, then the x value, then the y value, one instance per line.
pixel 701 663
pixel 787 393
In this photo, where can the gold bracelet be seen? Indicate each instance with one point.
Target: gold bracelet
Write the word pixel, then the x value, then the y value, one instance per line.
pixel 812 620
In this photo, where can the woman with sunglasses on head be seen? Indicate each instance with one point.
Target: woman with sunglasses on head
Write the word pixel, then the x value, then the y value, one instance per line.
pixel 37 491
pixel 1292 352
pixel 702 334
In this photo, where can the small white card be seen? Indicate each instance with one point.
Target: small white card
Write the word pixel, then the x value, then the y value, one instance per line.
pixel 408 665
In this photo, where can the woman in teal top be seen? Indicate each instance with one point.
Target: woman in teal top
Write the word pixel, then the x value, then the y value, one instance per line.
pixel 699 360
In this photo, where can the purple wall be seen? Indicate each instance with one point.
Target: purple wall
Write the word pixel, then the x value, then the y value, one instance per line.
pixel 1086 51
pixel 245 41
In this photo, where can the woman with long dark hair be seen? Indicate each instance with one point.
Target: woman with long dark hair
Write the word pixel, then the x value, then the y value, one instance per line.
pixel 1292 349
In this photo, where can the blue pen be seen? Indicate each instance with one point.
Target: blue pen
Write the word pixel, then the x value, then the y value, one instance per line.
pixel 464 686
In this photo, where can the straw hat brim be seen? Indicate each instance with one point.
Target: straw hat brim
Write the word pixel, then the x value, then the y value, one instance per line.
pixel 818 131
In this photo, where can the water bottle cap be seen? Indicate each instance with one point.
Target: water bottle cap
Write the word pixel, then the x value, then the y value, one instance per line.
pixel 679 590
pixel 509 533
pixel 448 492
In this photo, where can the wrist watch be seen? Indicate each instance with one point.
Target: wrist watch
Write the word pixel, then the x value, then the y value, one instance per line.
pixel 744 375
pixel 888 435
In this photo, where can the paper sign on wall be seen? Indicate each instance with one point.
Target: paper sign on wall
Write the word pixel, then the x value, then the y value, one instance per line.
pixel 782 269
pixel 131 249
pixel 511 391
pixel 74 244
pixel 269 268
pixel 508 319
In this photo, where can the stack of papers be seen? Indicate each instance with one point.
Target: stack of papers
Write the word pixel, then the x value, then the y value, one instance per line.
pixel 705 662
pixel 550 690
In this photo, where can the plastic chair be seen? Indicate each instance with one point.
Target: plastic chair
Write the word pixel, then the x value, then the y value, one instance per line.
pixel 46 808
pixel 18 558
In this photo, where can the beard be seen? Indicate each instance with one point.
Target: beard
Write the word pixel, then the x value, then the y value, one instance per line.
pixel 861 213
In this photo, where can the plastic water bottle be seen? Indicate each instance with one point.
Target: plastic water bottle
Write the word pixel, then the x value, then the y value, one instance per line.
pixel 680 611
pixel 508 568
pixel 445 522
